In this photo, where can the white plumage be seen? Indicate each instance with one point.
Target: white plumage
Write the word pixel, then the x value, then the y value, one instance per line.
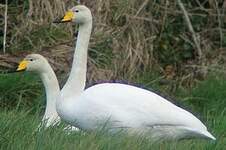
pixel 38 64
pixel 129 107
pixel 121 106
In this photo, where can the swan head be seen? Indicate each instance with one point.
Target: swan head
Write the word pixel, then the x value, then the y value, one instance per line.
pixel 79 14
pixel 33 62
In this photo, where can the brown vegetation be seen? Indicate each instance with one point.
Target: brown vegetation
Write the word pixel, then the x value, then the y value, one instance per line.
pixel 129 37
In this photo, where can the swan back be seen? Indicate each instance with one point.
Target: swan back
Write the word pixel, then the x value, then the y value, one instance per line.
pixel 126 106
pixel 140 104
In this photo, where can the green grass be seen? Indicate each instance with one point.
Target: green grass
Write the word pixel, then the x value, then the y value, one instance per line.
pixel 18 126
pixel 18 131
pixel 20 91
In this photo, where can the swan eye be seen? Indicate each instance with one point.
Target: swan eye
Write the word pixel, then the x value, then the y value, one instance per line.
pixel 77 11
pixel 31 59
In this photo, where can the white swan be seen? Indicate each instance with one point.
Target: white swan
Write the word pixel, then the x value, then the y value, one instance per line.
pixel 37 63
pixel 122 106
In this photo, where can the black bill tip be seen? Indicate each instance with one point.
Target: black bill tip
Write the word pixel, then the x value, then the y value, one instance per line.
pixel 60 20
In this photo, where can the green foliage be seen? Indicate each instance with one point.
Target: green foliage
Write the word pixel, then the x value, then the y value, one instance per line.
pixel 101 53
pixel 19 131
pixel 209 96
pixel 20 91
pixel 170 47
pixel 158 28
pixel 42 36
pixel 19 126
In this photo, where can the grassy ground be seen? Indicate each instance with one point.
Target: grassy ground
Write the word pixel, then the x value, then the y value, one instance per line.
pixel 129 38
pixel 19 122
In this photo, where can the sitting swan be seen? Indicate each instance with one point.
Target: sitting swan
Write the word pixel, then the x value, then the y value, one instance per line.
pixel 122 106
pixel 37 63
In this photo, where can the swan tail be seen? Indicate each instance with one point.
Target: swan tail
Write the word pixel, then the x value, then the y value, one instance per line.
pixel 178 133
pixel 202 133
pixel 208 135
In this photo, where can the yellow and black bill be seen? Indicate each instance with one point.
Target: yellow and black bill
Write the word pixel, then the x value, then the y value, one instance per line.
pixel 22 65
pixel 69 15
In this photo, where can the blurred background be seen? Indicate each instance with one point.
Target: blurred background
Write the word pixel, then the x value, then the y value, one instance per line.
pixel 147 43
pixel 176 48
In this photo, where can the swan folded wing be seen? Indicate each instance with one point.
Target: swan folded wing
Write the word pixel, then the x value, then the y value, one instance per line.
pixel 130 106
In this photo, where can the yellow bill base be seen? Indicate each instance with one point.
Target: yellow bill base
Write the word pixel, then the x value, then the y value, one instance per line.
pixel 22 65
pixel 68 16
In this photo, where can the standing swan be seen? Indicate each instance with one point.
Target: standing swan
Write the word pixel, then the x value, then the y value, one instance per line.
pixel 122 106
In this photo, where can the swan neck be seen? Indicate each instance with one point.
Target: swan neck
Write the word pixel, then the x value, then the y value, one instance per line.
pixel 77 78
pixel 52 90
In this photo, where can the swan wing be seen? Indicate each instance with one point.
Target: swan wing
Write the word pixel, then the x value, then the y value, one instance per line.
pixel 131 106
